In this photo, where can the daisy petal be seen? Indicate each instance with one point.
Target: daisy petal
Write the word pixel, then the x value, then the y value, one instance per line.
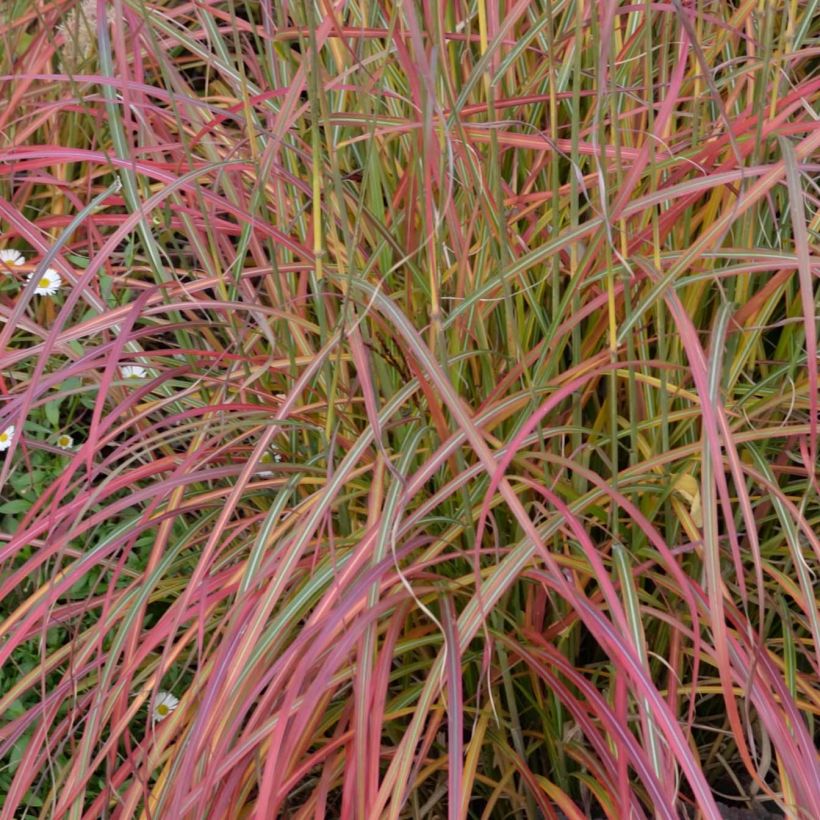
pixel 9 256
pixel 133 371
pixel 164 705
pixel 65 442
pixel 48 282
pixel 6 437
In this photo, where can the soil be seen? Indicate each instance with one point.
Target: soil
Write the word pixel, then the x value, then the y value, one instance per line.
pixel 732 813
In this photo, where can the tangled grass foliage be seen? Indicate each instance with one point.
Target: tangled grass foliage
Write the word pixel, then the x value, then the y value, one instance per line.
pixel 409 409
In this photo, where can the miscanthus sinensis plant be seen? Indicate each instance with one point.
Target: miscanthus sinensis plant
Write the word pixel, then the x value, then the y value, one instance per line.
pixel 420 415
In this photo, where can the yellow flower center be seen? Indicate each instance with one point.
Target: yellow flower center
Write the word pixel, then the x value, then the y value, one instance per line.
pixel 4 437
pixel 45 282
pixel 162 709
pixel 64 441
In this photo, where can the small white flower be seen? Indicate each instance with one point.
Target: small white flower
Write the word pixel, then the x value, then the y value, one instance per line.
pixel 269 457
pixel 49 282
pixel 6 436
pixel 164 705
pixel 133 371
pixel 65 442
pixel 12 257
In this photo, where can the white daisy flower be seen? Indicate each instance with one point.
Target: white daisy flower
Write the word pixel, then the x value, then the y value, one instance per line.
pixel 12 257
pixel 164 705
pixel 6 436
pixel 49 282
pixel 269 457
pixel 133 371
pixel 65 442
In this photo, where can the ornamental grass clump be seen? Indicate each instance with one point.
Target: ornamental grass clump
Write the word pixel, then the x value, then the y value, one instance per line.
pixel 409 410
